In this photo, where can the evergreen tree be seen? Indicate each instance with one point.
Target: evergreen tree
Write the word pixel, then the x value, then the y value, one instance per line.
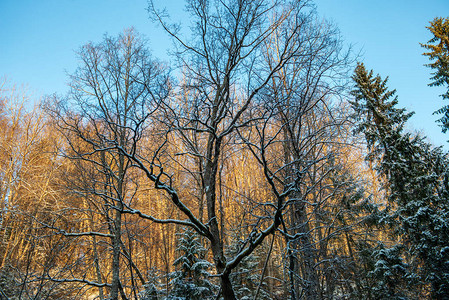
pixel 191 279
pixel 150 292
pixel 416 184
pixel 152 287
pixel 9 286
pixel 438 47
pixel 387 273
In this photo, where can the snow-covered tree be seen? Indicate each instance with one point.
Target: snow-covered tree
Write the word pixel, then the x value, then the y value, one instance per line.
pixel 152 289
pixel 191 278
pixel 9 286
pixel 438 47
pixel 387 273
pixel 416 182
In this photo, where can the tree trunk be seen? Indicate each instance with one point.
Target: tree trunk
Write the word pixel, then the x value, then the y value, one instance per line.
pixel 308 255
pixel 116 245
pixel 226 288
pixel 210 177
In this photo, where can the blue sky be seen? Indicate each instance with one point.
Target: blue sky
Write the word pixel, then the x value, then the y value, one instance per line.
pixel 387 34
pixel 39 39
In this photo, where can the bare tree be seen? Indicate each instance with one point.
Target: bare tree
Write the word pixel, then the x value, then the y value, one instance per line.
pixel 225 72
pixel 28 172
pixel 113 95
pixel 301 129
pixel 256 78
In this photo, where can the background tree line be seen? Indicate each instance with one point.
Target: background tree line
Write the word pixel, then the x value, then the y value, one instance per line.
pixel 255 166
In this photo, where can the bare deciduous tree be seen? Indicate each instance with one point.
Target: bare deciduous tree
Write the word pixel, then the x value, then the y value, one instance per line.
pixel 226 71
pixel 256 80
pixel 114 94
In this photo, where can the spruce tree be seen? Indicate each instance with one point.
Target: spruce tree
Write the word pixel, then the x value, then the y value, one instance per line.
pixel 9 285
pixel 152 289
pixel 386 276
pixel 438 47
pixel 416 183
pixel 191 278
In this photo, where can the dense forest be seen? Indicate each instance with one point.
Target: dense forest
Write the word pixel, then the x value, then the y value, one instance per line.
pixel 264 162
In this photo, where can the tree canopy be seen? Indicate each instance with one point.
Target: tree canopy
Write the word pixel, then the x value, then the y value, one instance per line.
pixel 250 166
